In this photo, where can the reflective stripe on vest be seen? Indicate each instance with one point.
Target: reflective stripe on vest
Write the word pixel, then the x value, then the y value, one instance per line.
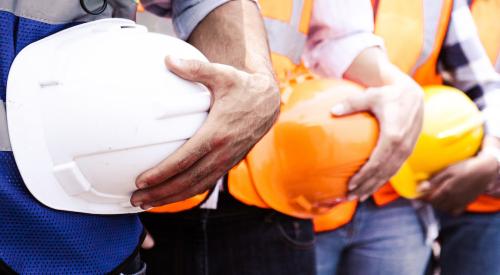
pixel 4 131
pixel 433 13
pixel 287 23
pixel 285 38
pixel 485 15
pixel 414 32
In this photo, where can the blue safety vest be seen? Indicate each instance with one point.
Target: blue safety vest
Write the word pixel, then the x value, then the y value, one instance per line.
pixel 33 238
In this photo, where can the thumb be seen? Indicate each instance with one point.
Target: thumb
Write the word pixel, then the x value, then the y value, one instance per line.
pixel 203 72
pixel 148 242
pixel 352 105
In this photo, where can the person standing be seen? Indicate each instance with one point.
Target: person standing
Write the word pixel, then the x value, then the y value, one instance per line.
pixel 37 240
pixel 470 230
pixel 385 234
pixel 237 238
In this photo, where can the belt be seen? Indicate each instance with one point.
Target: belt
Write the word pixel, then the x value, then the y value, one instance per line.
pixel 4 130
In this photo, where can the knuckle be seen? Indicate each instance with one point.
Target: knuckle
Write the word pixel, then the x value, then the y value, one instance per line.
pixel 218 140
pixel 223 160
pixel 193 67
pixel 396 138
pixel 197 178
pixel 153 176
pixel 228 77
pixel 232 75
pixel 205 148
pixel 182 164
pixel 200 189
pixel 150 196
pixel 371 166
pixel 199 175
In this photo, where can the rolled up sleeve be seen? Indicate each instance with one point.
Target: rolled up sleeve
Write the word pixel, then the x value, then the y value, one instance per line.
pixel 185 14
pixel 339 31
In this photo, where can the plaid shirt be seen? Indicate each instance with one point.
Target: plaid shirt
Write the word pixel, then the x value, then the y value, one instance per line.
pixel 464 64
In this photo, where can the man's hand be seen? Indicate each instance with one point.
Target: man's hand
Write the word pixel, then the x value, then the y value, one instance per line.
pixel 397 103
pixel 244 107
pixel 452 189
pixel 399 110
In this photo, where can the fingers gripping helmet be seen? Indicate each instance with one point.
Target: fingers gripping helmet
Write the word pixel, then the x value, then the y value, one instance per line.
pixel 309 155
pixel 452 131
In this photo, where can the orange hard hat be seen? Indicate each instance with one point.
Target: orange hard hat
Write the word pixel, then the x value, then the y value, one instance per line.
pixel 309 155
pixel 181 205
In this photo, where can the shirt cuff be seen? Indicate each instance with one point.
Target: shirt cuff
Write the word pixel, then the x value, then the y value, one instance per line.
pixel 332 58
pixel 186 15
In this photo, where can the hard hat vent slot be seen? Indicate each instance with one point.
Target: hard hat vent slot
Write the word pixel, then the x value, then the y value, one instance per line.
pixel 71 179
pixel 46 84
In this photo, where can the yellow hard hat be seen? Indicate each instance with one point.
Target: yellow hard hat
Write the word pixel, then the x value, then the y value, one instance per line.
pixel 452 131
pixel 309 155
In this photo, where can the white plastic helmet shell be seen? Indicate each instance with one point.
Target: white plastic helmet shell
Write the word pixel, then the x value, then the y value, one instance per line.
pixel 92 107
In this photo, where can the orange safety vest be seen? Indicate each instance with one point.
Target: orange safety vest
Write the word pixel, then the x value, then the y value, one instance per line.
pixel 486 15
pixel 287 25
pixel 413 44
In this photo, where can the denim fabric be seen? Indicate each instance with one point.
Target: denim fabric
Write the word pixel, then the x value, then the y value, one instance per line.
pixel 387 240
pixel 234 239
pixel 470 244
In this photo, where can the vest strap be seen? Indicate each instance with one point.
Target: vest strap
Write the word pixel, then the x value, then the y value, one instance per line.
pixel 433 14
pixel 285 40
pixel 4 131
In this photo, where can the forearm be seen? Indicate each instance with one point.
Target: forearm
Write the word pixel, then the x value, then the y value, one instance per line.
pixel 372 68
pixel 234 34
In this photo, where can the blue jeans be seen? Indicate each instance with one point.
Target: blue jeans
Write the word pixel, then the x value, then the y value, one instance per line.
pixel 234 239
pixel 470 244
pixel 387 240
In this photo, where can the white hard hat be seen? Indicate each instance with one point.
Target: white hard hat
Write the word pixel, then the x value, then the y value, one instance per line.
pixel 92 107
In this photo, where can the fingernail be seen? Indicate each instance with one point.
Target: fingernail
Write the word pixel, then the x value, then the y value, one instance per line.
pixel 136 203
pixel 352 197
pixel 141 184
pixel 174 60
pixel 364 198
pixel 146 207
pixel 338 109
pixel 351 187
pixel 423 186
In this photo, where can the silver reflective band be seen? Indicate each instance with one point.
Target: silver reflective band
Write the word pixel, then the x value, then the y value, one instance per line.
pixel 4 131
pixel 433 10
pixel 286 39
